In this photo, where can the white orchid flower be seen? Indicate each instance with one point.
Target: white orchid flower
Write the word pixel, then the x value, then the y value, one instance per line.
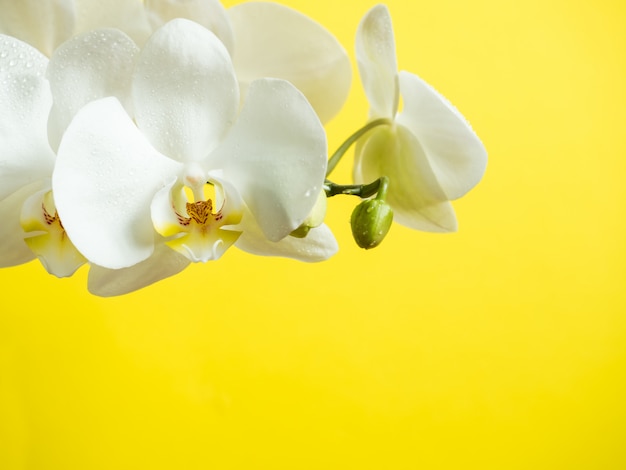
pixel 430 153
pixel 189 169
pixel 26 162
pixel 89 66
pixel 270 40
pixel 46 24
pixel 30 222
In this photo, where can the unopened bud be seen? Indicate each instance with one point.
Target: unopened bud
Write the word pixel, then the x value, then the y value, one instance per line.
pixel 371 221
pixel 315 218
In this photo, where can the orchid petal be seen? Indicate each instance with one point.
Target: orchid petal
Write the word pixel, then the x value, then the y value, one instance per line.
pixel 43 25
pixel 376 58
pixel 414 194
pixel 456 154
pixel 209 13
pixel 318 245
pixel 163 263
pixel 128 16
pixel 272 40
pixel 25 101
pixel 46 237
pixel 13 250
pixel 185 91
pixel 275 155
pixel 104 180
pixel 93 65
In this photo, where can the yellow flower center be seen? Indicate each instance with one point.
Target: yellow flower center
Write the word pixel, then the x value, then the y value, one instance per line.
pixel 200 212
pixel 191 224
pixel 46 236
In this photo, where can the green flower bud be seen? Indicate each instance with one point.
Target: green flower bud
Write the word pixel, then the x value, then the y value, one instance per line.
pixel 315 218
pixel 371 220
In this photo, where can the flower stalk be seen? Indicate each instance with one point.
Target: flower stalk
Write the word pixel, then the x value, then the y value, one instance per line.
pixel 343 148
pixel 361 190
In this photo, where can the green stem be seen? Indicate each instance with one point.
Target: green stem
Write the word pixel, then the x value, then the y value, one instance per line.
pixel 343 148
pixel 361 190
pixel 382 188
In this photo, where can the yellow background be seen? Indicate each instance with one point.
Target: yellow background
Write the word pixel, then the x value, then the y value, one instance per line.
pixel 502 346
